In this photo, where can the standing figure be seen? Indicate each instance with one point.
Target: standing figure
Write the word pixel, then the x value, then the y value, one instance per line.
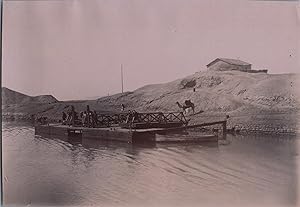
pixel 83 118
pixel 95 119
pixel 64 117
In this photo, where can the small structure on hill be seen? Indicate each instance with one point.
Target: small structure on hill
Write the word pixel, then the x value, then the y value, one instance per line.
pixel 228 64
pixel 225 64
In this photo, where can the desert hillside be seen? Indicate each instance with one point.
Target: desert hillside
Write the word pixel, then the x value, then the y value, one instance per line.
pixel 246 97
pixel 12 97
pixel 215 91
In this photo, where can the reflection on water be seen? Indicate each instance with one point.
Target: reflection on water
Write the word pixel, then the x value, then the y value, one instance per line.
pixel 257 171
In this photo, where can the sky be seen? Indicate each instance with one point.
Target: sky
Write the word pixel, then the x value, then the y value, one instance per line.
pixel 73 49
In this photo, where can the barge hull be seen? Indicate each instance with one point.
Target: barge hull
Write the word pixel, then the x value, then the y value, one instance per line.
pixel 90 133
pixel 124 135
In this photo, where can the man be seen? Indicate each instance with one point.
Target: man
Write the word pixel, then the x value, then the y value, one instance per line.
pixel 83 119
pixel 64 117
pixel 95 118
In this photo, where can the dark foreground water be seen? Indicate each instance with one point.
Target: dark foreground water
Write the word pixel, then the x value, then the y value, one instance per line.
pixel 250 171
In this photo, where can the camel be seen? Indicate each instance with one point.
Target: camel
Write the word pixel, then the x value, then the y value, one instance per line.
pixel 187 104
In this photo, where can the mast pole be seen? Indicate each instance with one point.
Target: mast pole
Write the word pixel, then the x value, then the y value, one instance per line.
pixel 122 76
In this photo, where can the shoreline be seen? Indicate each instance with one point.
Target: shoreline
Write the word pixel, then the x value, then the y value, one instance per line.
pixel 235 125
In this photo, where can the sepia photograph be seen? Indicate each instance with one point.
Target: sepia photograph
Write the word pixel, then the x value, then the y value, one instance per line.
pixel 154 103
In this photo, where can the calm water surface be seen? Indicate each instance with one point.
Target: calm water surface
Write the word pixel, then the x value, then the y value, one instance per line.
pixel 250 171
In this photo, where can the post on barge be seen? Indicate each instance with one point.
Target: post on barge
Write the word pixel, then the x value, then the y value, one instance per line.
pixel 88 115
pixel 73 115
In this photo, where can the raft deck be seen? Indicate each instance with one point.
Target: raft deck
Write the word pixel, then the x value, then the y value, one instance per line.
pixel 179 134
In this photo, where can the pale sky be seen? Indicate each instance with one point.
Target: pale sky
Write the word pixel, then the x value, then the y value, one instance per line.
pixel 73 49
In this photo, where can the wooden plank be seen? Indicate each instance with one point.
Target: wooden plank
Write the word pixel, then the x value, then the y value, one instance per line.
pixel 50 130
pixel 180 138
pixel 187 127
pixel 42 129
pixel 107 134
pixel 58 131
pixel 205 124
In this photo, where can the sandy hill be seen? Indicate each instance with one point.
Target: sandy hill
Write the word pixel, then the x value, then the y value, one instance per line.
pixel 13 97
pixel 257 99
pixel 215 91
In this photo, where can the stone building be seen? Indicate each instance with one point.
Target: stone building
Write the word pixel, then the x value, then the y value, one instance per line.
pixel 229 64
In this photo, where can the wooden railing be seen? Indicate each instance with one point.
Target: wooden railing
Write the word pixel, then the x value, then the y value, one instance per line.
pixel 133 119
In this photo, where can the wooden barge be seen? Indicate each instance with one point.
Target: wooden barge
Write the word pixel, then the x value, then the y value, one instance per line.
pixel 134 128
pixel 125 135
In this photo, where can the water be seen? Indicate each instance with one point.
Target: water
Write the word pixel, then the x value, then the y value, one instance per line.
pixel 250 171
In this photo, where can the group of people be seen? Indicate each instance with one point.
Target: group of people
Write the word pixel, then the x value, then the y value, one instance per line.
pixel 41 120
pixel 89 118
pixel 84 118
pixel 70 116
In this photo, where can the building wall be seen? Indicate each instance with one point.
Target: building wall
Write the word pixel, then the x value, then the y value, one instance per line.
pixel 258 71
pixel 220 65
